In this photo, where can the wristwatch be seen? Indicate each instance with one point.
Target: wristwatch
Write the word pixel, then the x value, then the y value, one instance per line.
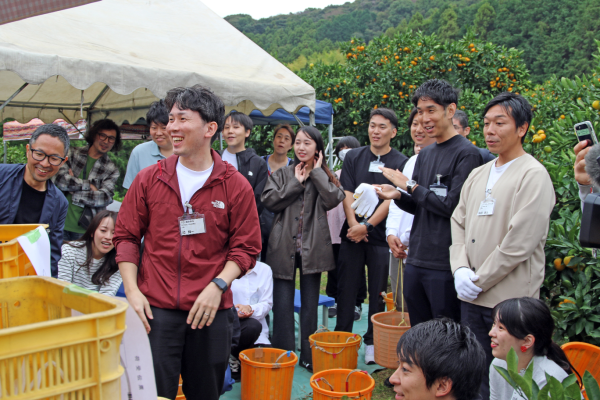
pixel 410 185
pixel 368 225
pixel 220 283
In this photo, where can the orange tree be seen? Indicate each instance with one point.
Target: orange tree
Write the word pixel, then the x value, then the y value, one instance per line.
pixel 387 71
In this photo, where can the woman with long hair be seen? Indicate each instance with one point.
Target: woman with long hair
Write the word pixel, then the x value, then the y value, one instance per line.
pixel 300 196
pixel 90 261
pixel 526 325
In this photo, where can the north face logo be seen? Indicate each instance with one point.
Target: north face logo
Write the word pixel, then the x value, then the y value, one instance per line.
pixel 218 204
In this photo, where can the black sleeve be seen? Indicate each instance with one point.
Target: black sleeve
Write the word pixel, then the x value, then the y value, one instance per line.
pixel 444 206
pixel 348 176
pixel 261 180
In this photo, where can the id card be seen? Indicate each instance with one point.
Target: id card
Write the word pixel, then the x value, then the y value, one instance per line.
pixel 374 167
pixel 191 224
pixel 439 190
pixel 487 207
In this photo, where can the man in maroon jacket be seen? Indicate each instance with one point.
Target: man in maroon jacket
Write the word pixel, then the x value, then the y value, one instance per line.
pixel 200 226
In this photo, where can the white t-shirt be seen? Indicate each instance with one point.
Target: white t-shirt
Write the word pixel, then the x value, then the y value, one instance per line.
pixel 496 173
pixel 230 158
pixel 191 181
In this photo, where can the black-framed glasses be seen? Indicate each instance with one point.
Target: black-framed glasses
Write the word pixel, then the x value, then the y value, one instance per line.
pixel 104 137
pixel 39 155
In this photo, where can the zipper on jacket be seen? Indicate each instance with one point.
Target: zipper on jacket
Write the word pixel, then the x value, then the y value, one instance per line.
pixel 179 271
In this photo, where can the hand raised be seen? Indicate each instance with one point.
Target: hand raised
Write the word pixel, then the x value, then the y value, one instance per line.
pixel 319 161
pixel 300 172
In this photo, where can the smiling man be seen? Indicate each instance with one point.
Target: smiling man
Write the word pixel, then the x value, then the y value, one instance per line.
pixel 160 147
pixel 89 177
pixel 439 360
pixel 500 225
pixel 201 231
pixel 431 195
pixel 237 128
pixel 28 194
pixel 363 239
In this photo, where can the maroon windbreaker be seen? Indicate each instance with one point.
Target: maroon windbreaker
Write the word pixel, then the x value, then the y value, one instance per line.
pixel 175 268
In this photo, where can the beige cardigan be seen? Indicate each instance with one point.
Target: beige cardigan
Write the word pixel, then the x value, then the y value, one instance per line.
pixel 505 249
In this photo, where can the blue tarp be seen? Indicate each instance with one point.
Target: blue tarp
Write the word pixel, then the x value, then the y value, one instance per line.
pixel 323 114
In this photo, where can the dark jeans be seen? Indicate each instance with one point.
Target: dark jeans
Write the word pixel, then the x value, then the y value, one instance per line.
pixel 283 311
pixel 352 260
pixel 332 280
pixel 68 235
pixel 200 356
pixel 479 320
pixel 429 294
pixel 250 330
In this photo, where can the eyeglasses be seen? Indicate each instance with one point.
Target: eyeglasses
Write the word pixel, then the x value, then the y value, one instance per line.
pixel 104 138
pixel 39 155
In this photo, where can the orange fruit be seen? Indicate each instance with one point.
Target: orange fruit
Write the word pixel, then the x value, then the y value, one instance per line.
pixel 596 103
pixel 567 260
pixel 432 58
pixel 558 264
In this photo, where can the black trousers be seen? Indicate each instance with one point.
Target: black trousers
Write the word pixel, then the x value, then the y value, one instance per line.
pixel 250 330
pixel 352 260
pixel 332 280
pixel 479 320
pixel 200 356
pixel 283 311
pixel 430 293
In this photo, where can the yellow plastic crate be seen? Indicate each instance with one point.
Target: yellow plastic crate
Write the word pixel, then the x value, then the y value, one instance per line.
pixel 45 353
pixel 13 260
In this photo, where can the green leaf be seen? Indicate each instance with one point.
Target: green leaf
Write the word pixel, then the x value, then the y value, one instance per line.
pixel 504 373
pixel 544 393
pixel 512 361
pixel 591 386
pixel 556 389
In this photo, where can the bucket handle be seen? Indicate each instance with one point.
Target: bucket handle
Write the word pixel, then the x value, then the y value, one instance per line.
pixel 316 382
pixel 276 363
pixel 316 346
pixel 348 377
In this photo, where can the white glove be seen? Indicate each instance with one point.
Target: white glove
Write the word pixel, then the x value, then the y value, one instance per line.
pixel 366 200
pixel 463 282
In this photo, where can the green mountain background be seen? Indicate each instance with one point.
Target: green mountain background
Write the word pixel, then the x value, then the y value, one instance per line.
pixel 557 36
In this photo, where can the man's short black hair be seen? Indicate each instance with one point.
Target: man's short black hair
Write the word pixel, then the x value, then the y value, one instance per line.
pixel 347 141
pixel 438 91
pixel 386 113
pixel 200 99
pixel 242 119
pixel 412 116
pixel 442 348
pixel 158 113
pixel 53 130
pixel 104 125
pixel 516 105
pixel 462 118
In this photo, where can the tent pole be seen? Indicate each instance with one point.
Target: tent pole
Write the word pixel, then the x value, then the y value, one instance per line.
pixel 13 96
pixel 311 118
pixel 331 144
pixel 298 120
pixel 5 149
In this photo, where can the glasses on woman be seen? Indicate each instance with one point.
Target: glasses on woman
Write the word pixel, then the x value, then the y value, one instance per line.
pixel 39 155
pixel 104 138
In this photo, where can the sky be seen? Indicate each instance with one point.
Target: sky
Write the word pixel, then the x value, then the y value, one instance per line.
pixel 265 8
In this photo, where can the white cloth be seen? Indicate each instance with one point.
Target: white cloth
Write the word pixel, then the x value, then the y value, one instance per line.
pixel 70 270
pixel 256 290
pixel 500 389
pixel 496 173
pixel 191 181
pixel 398 222
pixel 230 158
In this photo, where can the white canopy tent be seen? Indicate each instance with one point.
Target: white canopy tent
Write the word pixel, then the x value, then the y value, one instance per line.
pixel 114 57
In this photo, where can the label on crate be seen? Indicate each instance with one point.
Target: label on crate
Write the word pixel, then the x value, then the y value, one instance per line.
pixel 36 244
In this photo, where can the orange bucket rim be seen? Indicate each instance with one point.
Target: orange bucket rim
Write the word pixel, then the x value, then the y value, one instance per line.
pixel 357 339
pixel 340 371
pixel 374 319
pixel 258 364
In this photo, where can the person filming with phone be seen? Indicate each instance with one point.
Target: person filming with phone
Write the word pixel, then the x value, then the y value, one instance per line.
pixel 587 143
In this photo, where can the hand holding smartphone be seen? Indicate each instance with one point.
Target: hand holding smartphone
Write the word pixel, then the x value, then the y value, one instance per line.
pixel 585 133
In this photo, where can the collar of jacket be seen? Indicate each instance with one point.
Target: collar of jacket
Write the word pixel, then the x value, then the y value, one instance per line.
pixel 168 171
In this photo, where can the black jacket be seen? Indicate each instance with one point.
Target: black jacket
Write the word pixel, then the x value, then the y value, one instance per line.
pixel 255 171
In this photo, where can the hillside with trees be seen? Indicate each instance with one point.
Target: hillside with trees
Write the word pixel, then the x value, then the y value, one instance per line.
pixel 556 36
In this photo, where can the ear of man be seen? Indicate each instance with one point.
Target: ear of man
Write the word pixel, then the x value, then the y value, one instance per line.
pixel 450 111
pixel 211 129
pixel 443 387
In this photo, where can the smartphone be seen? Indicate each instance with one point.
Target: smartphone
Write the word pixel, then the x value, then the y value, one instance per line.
pixel 585 133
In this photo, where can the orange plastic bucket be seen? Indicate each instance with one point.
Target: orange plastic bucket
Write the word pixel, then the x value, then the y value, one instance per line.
pixel 267 373
pixel 337 383
pixel 389 302
pixel 388 327
pixel 180 395
pixel 332 350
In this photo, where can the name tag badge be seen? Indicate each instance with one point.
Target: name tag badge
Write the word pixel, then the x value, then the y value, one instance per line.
pixel 438 188
pixel 191 224
pixel 487 205
pixel 374 167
